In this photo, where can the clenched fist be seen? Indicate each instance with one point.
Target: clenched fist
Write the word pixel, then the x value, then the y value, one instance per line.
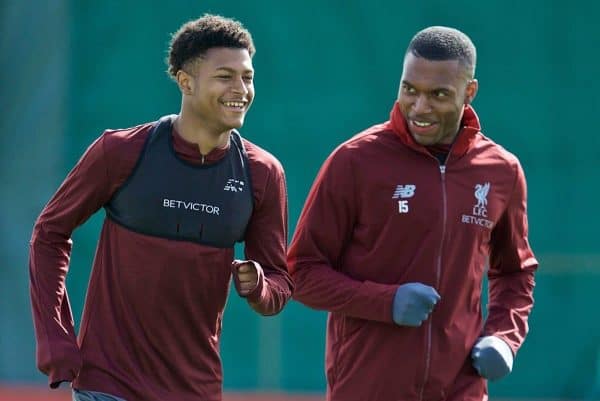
pixel 413 303
pixel 245 276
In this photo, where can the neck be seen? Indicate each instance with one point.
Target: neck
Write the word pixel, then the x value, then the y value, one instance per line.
pixel 194 130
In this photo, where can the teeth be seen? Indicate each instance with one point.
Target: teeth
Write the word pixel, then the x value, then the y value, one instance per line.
pixel 234 104
pixel 421 124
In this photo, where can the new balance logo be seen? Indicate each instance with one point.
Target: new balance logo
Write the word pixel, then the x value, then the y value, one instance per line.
pixel 234 185
pixel 404 191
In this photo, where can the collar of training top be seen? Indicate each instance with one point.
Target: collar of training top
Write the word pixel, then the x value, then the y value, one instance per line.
pixel 464 141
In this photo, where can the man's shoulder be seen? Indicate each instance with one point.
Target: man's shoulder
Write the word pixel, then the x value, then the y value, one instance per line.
pixel 124 135
pixel 124 141
pixel 497 155
pixel 370 139
pixel 261 158
pixel 494 149
pixel 366 137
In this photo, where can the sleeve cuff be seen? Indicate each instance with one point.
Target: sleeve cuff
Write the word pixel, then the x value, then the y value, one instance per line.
pixel 377 299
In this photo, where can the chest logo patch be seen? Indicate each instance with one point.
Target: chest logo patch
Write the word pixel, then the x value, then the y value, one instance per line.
pixel 481 193
pixel 480 213
pixel 402 192
pixel 234 185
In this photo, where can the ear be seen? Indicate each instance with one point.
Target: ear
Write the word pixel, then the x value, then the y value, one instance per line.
pixel 185 82
pixel 471 91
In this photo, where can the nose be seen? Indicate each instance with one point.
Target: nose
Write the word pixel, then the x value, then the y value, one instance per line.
pixel 421 105
pixel 239 86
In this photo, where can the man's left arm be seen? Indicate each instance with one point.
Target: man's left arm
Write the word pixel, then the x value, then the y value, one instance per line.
pixel 510 287
pixel 263 277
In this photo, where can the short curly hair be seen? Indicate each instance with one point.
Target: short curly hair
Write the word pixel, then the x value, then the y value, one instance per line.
pixel 444 43
pixel 195 37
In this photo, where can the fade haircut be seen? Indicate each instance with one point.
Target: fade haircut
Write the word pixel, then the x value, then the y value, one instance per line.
pixel 195 37
pixel 443 43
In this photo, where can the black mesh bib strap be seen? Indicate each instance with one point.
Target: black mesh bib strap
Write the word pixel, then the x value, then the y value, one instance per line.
pixel 168 197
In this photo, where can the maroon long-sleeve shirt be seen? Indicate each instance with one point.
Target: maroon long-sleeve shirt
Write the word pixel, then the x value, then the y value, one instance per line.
pixel 383 212
pixel 152 317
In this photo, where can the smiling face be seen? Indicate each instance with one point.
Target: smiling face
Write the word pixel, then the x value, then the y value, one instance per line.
pixel 218 88
pixel 432 96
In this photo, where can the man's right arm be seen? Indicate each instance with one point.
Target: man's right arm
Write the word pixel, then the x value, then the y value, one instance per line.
pixel 324 229
pixel 82 193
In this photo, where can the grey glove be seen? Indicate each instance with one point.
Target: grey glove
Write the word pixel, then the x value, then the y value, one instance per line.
pixel 492 357
pixel 413 303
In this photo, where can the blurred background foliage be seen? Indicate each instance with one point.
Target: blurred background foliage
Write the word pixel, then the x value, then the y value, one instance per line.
pixel 324 71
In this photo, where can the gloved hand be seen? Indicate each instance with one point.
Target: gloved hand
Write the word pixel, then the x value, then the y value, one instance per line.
pixel 492 357
pixel 413 303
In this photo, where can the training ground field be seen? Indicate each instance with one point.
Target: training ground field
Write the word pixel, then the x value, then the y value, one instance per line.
pixel 14 393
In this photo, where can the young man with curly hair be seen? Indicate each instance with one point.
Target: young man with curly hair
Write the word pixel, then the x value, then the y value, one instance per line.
pixel 395 235
pixel 178 193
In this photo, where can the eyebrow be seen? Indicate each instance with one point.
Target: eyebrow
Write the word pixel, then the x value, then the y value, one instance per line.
pixel 441 88
pixel 228 69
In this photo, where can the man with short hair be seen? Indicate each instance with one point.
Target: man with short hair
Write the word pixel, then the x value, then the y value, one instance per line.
pixel 395 234
pixel 178 193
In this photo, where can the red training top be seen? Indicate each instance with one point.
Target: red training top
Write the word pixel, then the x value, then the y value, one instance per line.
pixel 152 318
pixel 383 212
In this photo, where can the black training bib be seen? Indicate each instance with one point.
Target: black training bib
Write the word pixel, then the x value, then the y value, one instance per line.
pixel 168 197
